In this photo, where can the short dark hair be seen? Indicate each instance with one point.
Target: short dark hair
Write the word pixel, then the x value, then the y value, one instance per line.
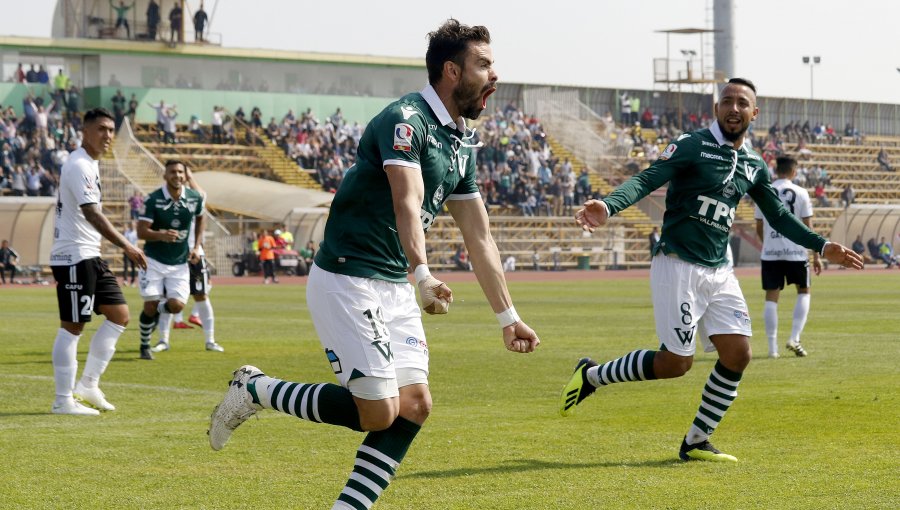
pixel 96 113
pixel 450 42
pixel 743 81
pixel 784 165
pixel 174 162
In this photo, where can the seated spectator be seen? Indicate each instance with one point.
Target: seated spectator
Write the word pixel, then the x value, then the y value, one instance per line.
pixel 872 246
pixel 461 258
pixel 195 127
pixel 886 254
pixel 9 261
pixel 848 195
pixel 860 249
pixel 136 204
pixel 308 253
pixel 884 161
pixel 820 195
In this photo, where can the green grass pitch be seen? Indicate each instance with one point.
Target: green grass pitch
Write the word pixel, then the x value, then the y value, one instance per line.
pixel 812 433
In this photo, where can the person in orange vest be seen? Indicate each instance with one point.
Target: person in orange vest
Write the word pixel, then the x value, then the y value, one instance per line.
pixel 267 256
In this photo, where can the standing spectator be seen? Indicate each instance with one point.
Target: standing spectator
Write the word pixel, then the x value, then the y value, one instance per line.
pixel 18 185
pixel 200 19
pixel 9 260
pixel 118 102
pixel 42 76
pixel 625 109
pixel 160 115
pixel 61 82
pixel 20 74
pixel 33 181
pixel 136 204
pixel 132 109
pixel 122 15
pixel 130 234
pixel 217 121
pixel 267 256
pixel 175 22
pixel 153 18
pixel 31 76
pixel 635 109
pixel 169 126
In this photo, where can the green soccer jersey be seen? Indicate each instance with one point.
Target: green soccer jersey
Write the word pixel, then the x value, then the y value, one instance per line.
pixel 164 213
pixel 707 178
pixel 417 132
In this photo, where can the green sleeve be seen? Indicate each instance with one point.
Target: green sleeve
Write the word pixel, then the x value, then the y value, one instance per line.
pixel 780 219
pixel 660 172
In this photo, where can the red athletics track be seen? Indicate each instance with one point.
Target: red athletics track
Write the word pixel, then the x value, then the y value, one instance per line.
pixel 545 276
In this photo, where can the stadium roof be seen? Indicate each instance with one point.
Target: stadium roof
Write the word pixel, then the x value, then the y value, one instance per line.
pixel 118 46
pixel 257 198
pixel 687 31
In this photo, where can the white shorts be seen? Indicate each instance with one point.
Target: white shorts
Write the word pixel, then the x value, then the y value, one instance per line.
pixel 685 293
pixel 369 329
pixel 162 280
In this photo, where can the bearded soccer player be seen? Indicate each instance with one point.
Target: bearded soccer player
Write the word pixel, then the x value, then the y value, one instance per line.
pixel 783 260
pixel 708 172
pixel 84 283
pixel 169 213
pixel 415 156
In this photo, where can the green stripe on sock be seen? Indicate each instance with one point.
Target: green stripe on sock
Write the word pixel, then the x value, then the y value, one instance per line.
pixel 362 489
pixel 371 475
pixel 352 502
pixel 273 394
pixel 286 396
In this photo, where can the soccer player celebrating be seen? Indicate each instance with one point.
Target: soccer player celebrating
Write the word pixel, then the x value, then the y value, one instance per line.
pixel 169 213
pixel 783 260
pixel 415 156
pixel 84 283
pixel 199 289
pixel 708 172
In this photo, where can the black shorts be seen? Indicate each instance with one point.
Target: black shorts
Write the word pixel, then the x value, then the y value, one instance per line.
pixel 199 278
pixel 82 288
pixel 776 272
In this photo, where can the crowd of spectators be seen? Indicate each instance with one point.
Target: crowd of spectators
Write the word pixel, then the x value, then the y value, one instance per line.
pixel 34 146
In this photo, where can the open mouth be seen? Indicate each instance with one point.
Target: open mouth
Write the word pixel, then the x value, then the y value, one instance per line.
pixel 491 89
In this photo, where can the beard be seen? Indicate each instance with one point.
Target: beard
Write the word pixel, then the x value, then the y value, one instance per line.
pixel 733 136
pixel 468 98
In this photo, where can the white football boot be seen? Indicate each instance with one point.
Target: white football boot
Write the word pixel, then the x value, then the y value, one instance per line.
pixel 235 408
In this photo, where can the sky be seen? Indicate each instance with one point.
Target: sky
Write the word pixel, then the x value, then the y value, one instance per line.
pixel 597 43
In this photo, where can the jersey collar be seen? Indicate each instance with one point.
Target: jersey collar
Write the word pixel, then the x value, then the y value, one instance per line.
pixel 437 106
pixel 165 190
pixel 720 138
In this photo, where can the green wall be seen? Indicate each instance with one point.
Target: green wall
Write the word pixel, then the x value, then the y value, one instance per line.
pixel 201 102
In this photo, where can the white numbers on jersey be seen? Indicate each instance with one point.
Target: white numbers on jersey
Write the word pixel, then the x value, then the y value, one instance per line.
pixel 427 219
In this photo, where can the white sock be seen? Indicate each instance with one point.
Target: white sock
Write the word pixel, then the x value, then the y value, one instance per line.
pixel 196 309
pixel 262 390
pixel 770 316
pixel 164 325
pixel 179 317
pixel 207 319
pixel 695 435
pixel 103 346
pixel 65 365
pixel 801 311
pixel 593 375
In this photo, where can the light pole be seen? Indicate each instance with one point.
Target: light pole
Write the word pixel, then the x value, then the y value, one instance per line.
pixel 812 62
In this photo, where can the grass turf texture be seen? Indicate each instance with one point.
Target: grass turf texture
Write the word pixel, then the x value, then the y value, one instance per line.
pixel 818 432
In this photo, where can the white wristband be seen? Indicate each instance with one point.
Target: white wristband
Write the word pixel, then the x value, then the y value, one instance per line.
pixel 822 253
pixel 421 273
pixel 508 317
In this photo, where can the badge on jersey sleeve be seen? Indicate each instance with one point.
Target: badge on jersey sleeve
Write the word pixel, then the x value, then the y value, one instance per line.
pixel 403 137
pixel 670 149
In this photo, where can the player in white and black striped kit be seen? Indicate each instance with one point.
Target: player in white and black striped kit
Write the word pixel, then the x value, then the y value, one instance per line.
pixel 783 260
pixel 84 283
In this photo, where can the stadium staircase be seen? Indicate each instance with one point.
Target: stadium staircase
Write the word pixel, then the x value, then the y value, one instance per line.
pixel 633 215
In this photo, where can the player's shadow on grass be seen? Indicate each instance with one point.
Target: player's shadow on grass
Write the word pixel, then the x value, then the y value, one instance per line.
pixel 4 415
pixel 519 465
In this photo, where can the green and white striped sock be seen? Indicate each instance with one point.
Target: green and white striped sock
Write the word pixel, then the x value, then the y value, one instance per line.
pixel 718 395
